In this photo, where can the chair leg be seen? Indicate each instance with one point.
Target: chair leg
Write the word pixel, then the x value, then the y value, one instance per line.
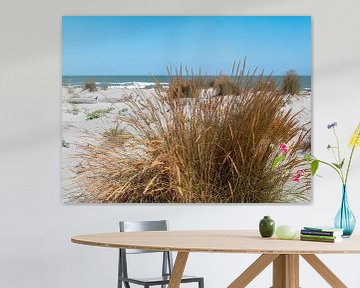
pixel 126 284
pixel 164 266
pixel 201 283
pixel 120 273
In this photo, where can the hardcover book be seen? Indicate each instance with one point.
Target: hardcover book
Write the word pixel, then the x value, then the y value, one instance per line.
pixel 321 233
pixel 325 240
pixel 319 237
pixel 323 228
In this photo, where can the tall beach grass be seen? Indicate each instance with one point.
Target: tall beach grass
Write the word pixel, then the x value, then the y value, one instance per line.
pixel 217 149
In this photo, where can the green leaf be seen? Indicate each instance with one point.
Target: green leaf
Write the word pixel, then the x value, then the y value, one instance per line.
pixel 277 161
pixel 339 166
pixel 314 166
pixel 336 165
pixel 308 157
pixel 342 163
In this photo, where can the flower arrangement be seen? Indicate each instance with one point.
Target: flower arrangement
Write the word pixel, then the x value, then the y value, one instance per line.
pixel 338 165
pixel 344 219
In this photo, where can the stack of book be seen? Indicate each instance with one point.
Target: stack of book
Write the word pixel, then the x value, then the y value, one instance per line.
pixel 321 234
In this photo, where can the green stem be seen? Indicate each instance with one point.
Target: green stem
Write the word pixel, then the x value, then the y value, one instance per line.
pixel 338 145
pixel 333 152
pixel 339 155
pixel 336 169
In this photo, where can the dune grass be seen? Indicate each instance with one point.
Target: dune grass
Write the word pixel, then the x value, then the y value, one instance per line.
pixel 98 113
pixel 90 86
pixel 185 84
pixel 203 150
pixel 225 85
pixel 290 83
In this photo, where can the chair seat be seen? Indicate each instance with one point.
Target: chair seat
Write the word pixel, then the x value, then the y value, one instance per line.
pixel 158 280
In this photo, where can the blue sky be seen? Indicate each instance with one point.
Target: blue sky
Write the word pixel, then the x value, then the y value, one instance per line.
pixel 143 45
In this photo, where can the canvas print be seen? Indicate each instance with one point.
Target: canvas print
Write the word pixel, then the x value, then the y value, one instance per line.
pixel 203 109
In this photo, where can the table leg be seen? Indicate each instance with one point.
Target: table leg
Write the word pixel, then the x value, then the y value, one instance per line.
pixel 178 269
pixel 324 271
pixel 253 270
pixel 286 271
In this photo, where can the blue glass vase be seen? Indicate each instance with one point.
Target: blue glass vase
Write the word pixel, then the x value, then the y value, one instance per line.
pixel 345 219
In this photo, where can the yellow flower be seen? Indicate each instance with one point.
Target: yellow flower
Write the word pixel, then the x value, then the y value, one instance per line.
pixel 355 138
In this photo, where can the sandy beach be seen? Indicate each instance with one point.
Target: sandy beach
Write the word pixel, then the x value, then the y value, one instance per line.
pixel 76 106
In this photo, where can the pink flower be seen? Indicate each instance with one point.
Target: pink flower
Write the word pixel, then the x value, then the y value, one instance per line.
pixel 299 174
pixel 284 148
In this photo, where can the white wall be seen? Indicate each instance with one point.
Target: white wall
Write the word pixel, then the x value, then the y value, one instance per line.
pixel 35 227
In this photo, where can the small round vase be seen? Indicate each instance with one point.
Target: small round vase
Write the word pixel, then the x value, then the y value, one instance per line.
pixel 345 219
pixel 285 232
pixel 266 227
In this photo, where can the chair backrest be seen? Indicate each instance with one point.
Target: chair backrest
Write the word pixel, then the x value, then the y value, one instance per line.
pixel 133 226
pixel 137 226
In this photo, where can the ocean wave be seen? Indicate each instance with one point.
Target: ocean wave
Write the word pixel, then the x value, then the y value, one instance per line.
pixel 134 85
pixel 119 85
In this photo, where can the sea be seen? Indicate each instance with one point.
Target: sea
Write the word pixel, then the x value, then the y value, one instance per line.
pixel 144 81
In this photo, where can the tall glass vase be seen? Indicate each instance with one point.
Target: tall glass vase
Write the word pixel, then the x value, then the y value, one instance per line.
pixel 345 219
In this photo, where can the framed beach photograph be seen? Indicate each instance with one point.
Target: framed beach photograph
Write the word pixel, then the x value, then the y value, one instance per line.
pixel 186 109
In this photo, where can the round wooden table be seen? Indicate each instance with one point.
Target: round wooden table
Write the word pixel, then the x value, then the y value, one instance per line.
pixel 284 254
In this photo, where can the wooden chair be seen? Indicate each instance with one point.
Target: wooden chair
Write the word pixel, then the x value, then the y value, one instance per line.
pixel 167 262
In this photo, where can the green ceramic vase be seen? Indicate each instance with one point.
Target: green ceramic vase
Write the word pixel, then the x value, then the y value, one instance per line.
pixel 266 227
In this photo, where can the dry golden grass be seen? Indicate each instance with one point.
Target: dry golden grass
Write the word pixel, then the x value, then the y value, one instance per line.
pixel 185 86
pixel 290 83
pixel 90 85
pixel 265 83
pixel 212 150
pixel 225 85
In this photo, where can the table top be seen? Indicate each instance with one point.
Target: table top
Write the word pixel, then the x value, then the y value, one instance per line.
pixel 216 241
